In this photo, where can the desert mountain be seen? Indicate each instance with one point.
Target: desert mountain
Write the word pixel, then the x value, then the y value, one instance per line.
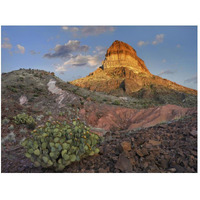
pixel 124 73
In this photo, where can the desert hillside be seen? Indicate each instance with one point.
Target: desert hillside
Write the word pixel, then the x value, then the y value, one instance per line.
pixel 135 131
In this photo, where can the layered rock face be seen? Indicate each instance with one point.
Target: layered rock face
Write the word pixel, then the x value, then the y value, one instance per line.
pixel 123 71
pixel 121 54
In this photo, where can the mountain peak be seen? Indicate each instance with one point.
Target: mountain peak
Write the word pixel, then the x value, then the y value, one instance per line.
pixel 122 71
pixel 121 54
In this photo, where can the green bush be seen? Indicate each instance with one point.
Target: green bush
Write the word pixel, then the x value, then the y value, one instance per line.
pixel 25 119
pixel 116 102
pixel 12 88
pixel 57 144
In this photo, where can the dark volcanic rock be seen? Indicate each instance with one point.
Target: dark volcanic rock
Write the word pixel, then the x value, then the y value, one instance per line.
pixel 123 164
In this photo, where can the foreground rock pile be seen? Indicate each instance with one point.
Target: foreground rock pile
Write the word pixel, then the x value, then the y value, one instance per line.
pixel 163 148
pixel 168 147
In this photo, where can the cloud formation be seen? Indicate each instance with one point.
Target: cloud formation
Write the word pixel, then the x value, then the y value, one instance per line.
pixel 66 50
pixel 86 31
pixel 142 43
pixel 191 80
pixel 32 52
pixel 83 60
pixel 61 69
pixel 80 60
pixel 6 43
pixel 21 49
pixel 166 72
pixel 159 39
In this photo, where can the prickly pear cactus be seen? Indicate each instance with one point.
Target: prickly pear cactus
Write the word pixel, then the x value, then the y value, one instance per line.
pixel 58 144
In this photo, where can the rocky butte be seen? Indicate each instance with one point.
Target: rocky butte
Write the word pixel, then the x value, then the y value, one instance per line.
pixel 124 73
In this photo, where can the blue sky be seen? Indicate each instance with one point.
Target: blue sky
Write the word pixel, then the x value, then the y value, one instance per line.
pixel 75 51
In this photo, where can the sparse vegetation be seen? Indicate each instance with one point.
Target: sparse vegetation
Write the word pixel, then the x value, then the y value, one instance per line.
pixel 59 144
pixel 11 88
pixel 25 119
pixel 48 113
pixel 23 131
pixel 116 102
pixel 5 121
pixel 11 127
pixel 61 114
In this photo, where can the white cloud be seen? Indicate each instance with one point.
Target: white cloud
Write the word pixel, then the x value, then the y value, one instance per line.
pixel 86 31
pixel 66 50
pixel 61 69
pixel 100 50
pixel 6 43
pixel 80 60
pixel 193 79
pixel 159 39
pixel 70 28
pixel 88 60
pixel 96 30
pixel 21 49
pixel 32 52
pixel 142 43
pixel 84 60
pixel 65 28
pixel 166 72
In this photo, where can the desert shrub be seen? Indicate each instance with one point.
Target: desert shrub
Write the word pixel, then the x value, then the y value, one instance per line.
pixel 23 131
pixel 21 78
pixel 9 138
pixel 36 74
pixel 116 102
pixel 58 144
pixel 11 88
pixel 25 119
pixel 5 121
pixel 38 90
pixel 21 86
pixel 11 127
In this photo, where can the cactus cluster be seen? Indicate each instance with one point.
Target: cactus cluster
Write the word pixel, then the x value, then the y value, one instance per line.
pixel 58 144
pixel 25 119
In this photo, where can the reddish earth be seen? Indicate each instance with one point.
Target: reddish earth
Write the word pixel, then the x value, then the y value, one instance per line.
pixel 112 118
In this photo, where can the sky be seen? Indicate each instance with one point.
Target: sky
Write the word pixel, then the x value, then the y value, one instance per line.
pixel 73 52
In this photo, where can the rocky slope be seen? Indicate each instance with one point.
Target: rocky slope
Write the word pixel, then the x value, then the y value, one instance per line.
pixel 168 148
pixel 123 72
pixel 45 97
